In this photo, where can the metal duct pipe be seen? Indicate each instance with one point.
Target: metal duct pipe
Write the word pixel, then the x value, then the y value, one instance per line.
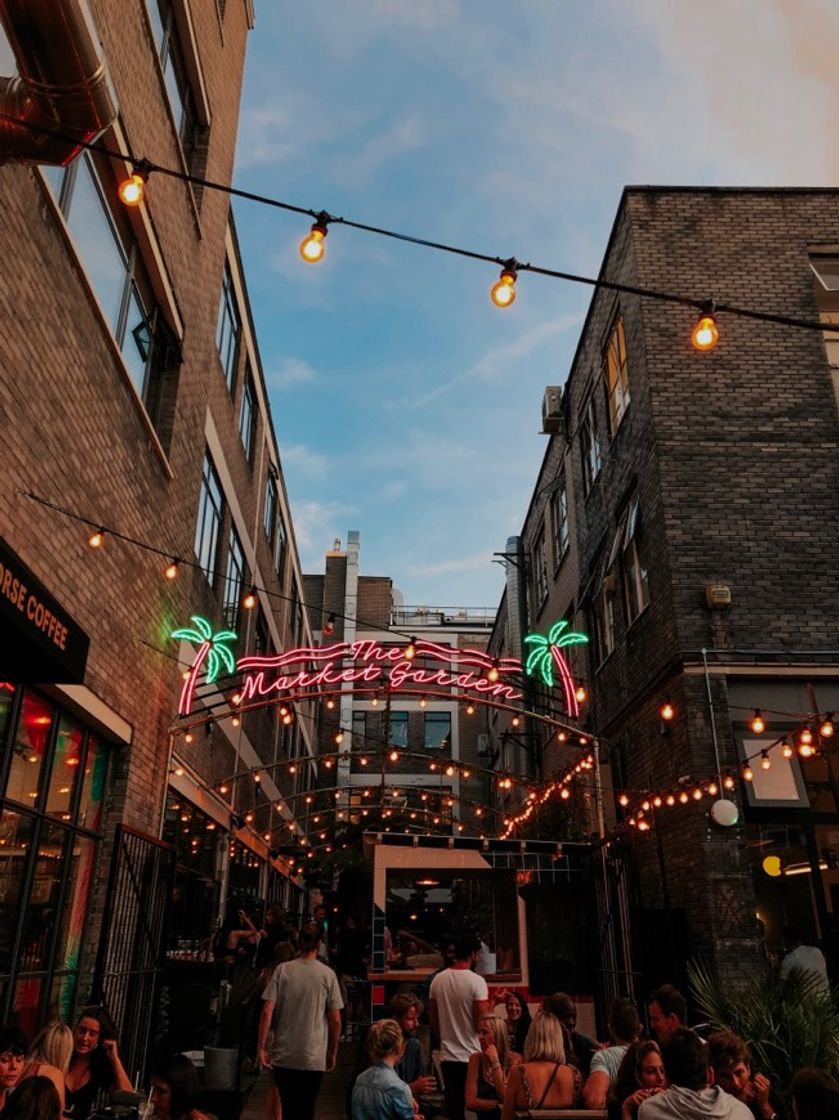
pixel 63 81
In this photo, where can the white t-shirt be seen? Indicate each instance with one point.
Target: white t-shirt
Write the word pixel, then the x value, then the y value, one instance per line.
pixel 809 963
pixel 608 1061
pixel 454 991
pixel 304 991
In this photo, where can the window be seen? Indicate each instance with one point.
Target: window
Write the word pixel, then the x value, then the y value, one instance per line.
pixel 208 526
pixel 559 521
pixel 590 445
pixel 437 731
pixel 359 731
pixel 269 514
pixel 616 375
pixel 262 640
pixel 233 580
pixel 112 264
pixel 247 416
pixel 398 736
pixel 826 268
pixel 280 551
pixel 604 619
pixel 176 80
pixel 540 570
pixel 229 328
pixel 635 581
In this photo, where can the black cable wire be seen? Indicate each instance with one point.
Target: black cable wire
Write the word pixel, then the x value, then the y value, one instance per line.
pixel 146 167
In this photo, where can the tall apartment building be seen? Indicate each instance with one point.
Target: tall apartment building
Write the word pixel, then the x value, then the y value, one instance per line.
pixel 435 781
pixel 685 516
pixel 133 399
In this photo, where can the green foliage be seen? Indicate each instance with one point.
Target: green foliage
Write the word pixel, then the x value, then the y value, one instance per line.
pixel 787 1026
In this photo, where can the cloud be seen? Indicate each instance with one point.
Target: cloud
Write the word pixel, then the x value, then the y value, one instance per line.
pixel 303 462
pixel 444 567
pixel 498 362
pixel 316 526
pixel 402 135
pixel 266 136
pixel 289 371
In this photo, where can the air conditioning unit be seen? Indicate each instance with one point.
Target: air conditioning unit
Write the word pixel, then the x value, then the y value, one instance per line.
pixel 483 745
pixel 552 410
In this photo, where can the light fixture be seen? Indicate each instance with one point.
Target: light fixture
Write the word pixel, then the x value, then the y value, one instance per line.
pixel 330 704
pixel 132 189
pixel 188 737
pixel 288 718
pixel 667 711
pixel 313 247
pixel 493 672
pixel 515 721
pixel 805 737
pixel 765 761
pixel 683 797
pixel 758 724
pixel 235 721
pixel 394 756
pixel 748 773
pixel 470 708
pixel 96 538
pixel 580 694
pixel 249 601
pixel 827 729
pixel 410 650
pixel 786 749
pixel 503 291
pixel 171 570
pixel 329 626
pixel 705 334
pixel 423 702
pixel 339 737
pixel 449 771
pixel 670 800
pixel 623 800
pixel 728 782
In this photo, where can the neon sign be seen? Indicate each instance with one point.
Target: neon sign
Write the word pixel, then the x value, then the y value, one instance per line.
pixel 547 654
pixel 424 664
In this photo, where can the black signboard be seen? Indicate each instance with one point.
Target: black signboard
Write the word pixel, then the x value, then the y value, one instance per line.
pixel 39 641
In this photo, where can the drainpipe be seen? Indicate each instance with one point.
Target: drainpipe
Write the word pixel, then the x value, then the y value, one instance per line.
pixel 62 84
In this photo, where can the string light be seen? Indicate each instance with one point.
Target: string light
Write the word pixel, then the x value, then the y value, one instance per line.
pixel 470 708
pixel 339 737
pixel 667 711
pixel 329 626
pixel 96 538
pixel 313 245
pixel 410 650
pixel 503 291
pixel 805 737
pixel 132 190
pixel 423 702
pixel 249 601
pixel 493 673
pixel 827 729
pixel 765 761
pixel 705 334
pixel 171 570
pixel 580 694
pixel 394 756
pixel 748 773
pixel 786 748
pixel 758 724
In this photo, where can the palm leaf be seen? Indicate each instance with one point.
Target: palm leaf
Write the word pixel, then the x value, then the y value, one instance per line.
pixel 533 660
pixel 224 636
pixel 202 626
pixel 547 668
pixel 188 635
pixel 226 656
pixel 213 666
pixel 555 631
pixel 572 638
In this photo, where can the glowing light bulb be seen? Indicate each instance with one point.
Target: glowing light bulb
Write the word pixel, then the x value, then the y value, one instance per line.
pixel 339 737
pixel 288 718
pixel 515 721
pixel 657 802
pixel 132 191
pixel 805 750
pixel 786 749
pixel 394 756
pixel 827 729
pixel 493 673
pixel 565 793
pixel 503 291
pixel 330 703
pixel 748 773
pixel 171 570
pixel 713 789
pixel 667 711
pixel 580 694
pixel 410 650
pixel 422 702
pixel 697 794
pixel 449 771
pixel 313 245
pixel 758 724
pixel 765 761
pixel 623 800
pixel 806 737
pixel 249 601
pixel 728 782
pixel 683 798
pixel 470 709
pixel 363 760
pixel 670 800
pixel 705 334
pixel 96 538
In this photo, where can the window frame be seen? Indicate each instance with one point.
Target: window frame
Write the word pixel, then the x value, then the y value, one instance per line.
pixel 559 521
pixel 429 720
pixel 247 415
pixel 604 621
pixel 615 362
pixel 590 445
pixel 171 58
pixel 228 328
pixel 539 560
pixel 635 575
pixel 209 475
pixel 234 579
pixel 280 547
pixel 269 512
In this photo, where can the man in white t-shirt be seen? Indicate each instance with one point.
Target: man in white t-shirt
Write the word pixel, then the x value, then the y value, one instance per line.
pixel 624 1029
pixel 804 961
pixel 457 1000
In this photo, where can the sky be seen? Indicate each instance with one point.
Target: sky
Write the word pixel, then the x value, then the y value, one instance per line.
pixel 406 405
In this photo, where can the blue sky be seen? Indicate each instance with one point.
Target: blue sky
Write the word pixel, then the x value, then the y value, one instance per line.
pixel 406 406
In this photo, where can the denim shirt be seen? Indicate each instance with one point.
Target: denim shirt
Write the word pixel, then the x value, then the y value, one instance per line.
pixel 380 1094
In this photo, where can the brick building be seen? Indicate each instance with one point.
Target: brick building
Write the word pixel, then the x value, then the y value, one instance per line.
pixel 427 727
pixel 684 515
pixel 132 397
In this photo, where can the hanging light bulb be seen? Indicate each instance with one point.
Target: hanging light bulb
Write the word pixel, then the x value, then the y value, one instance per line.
pixel 132 189
pixel 313 246
pixel 805 750
pixel 235 721
pixel 288 718
pixel 410 650
pixel 728 782
pixel 470 709
pixel 580 694
pixel 515 721
pixel 96 538
pixel 683 797
pixel 713 789
pixel 171 570
pixel 827 729
pixel 329 626
pixel 765 761
pixel 330 703
pixel 449 771
pixel 667 711
pixel 249 601
pixel 705 334
pixel 562 736
pixel 758 724
pixel 670 800
pixel 805 737
pixel 493 672
pixel 565 793
pixel 786 749
pixel 339 737
pixel 503 291
pixel 748 773
pixel 394 756
pixel 422 702
pixel 363 760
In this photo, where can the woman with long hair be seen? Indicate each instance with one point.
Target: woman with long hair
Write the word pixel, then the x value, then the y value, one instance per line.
pixel 488 1070
pixel 95 1065
pixel 641 1075
pixel 12 1051
pixel 49 1056
pixel 35 1098
pixel 518 1020
pixel 174 1090
pixel 543 1079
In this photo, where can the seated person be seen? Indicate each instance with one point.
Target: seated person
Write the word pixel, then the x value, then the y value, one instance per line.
pixel 641 1075
pixel 406 1009
pixel 731 1063
pixel 489 1069
pixel 579 1048
pixel 543 1079
pixel 624 1028
pixel 690 1092
pixel 379 1093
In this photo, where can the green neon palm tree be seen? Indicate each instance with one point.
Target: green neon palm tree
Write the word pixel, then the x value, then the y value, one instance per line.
pixel 546 655
pixel 212 649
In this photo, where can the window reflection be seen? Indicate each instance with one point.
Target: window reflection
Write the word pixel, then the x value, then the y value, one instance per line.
pixel 15 839
pixel 97 243
pixel 65 768
pixel 42 908
pixel 29 750
pixel 93 784
pixel 74 907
